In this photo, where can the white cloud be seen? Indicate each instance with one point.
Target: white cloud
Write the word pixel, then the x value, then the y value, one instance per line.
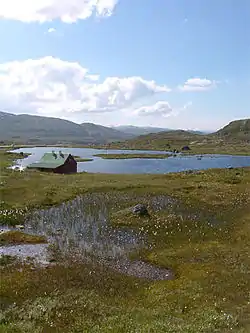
pixel 68 11
pixel 197 84
pixel 51 30
pixel 53 86
pixel 93 77
pixel 161 108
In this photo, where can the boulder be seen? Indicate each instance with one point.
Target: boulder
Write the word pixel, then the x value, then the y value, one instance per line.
pixel 185 148
pixel 19 226
pixel 140 209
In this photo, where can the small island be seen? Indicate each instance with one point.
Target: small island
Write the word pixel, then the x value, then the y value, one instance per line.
pixel 131 156
pixel 82 159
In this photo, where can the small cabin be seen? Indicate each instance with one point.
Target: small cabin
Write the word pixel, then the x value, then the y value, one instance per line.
pixel 56 162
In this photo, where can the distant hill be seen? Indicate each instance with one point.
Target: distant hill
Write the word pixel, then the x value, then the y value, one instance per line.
pixel 236 130
pixel 27 129
pixel 101 133
pixel 138 130
pixel 36 130
pixel 159 140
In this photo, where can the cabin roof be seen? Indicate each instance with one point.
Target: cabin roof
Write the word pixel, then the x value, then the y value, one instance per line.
pixel 50 161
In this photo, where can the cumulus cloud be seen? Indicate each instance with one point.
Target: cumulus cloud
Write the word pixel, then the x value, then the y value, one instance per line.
pixel 68 11
pixel 53 86
pixel 197 84
pixel 161 108
pixel 51 30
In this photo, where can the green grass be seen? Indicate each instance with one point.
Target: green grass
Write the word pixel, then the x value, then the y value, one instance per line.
pixel 210 292
pixel 199 144
pixel 7 260
pixel 18 237
pixel 130 156
pixel 81 159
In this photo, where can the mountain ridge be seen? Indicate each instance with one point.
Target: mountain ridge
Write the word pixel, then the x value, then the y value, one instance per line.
pixel 144 130
pixel 32 129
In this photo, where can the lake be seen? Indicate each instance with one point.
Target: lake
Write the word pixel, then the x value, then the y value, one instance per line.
pixel 137 166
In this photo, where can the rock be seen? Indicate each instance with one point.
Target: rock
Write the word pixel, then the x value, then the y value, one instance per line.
pixel 140 209
pixel 185 148
pixel 19 226
pixel 195 172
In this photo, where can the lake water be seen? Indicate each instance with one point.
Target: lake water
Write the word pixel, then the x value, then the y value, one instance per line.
pixel 137 166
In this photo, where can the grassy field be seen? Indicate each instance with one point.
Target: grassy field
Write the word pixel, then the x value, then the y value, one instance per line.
pixel 211 259
pixel 18 237
pixel 130 156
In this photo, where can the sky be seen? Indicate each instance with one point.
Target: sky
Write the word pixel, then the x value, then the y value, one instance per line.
pixel 166 63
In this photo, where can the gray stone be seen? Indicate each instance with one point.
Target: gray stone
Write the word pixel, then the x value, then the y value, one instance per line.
pixel 140 209
pixel 19 226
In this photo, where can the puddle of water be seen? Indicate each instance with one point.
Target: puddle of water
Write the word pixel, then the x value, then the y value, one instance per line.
pixel 4 228
pixel 80 230
pixel 35 251
pixel 83 227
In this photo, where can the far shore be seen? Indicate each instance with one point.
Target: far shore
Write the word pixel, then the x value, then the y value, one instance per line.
pixel 132 156
pixel 239 149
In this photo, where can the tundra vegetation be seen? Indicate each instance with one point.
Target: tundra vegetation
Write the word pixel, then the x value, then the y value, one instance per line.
pixel 208 249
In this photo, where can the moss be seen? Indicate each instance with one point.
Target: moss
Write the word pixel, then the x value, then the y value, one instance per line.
pixel 18 237
pixel 204 236
pixel 7 260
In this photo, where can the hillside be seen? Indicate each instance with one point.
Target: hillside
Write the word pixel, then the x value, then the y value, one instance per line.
pixel 236 130
pixel 140 130
pixel 27 129
pixel 101 133
pixel 161 140
pixel 233 138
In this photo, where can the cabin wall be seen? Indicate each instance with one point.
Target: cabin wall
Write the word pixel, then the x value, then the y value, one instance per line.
pixel 70 166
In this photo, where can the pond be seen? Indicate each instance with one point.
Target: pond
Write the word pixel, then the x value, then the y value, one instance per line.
pixel 137 166
pixel 80 230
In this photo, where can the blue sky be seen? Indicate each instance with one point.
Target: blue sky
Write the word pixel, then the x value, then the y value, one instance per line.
pixel 168 63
